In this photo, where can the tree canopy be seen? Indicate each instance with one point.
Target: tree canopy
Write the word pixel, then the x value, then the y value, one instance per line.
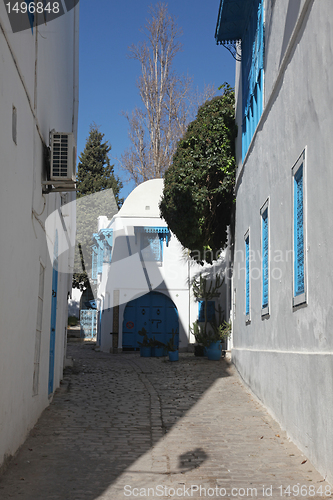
pixel 198 195
pixel 95 178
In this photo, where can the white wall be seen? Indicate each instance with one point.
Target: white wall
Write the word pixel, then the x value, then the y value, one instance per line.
pixel 287 358
pixel 127 275
pixel 44 99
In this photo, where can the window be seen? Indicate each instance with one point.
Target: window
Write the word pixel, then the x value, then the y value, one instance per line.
pixel 247 276
pixel 151 247
pixel 35 384
pixel 299 232
pixel 151 243
pixel 264 259
pixel 252 73
pixel 14 125
pixel 210 310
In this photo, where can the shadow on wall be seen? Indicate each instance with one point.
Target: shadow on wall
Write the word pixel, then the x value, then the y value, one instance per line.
pixel 291 19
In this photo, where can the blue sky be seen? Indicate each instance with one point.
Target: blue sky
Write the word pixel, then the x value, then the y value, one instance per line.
pixel 108 77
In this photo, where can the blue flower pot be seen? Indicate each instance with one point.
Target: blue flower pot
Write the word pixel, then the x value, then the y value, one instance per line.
pixel 173 356
pixel 157 352
pixel 214 354
pixel 215 345
pixel 145 352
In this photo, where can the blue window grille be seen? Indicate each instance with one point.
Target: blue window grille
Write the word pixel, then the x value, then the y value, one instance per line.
pixel 106 253
pixel 252 73
pixel 299 287
pixel 152 243
pixel 210 310
pixel 247 276
pixel 264 225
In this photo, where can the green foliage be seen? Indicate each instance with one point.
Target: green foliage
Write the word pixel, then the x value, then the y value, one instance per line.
pixel 198 196
pixel 170 345
pixel 95 175
pixel 72 320
pixel 146 341
pixel 214 330
pixel 95 172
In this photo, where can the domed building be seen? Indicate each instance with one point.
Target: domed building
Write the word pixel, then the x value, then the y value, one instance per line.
pixel 143 275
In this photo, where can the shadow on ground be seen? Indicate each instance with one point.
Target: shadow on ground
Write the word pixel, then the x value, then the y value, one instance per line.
pixel 109 411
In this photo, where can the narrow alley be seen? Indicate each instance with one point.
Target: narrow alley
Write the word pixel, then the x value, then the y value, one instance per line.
pixel 122 426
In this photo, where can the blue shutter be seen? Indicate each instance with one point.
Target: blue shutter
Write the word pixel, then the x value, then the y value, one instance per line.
pixel 298 233
pixel 252 73
pixel 247 277
pixel 100 258
pixel 265 259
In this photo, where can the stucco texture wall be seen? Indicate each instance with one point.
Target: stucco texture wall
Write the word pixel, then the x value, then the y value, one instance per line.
pixel 287 357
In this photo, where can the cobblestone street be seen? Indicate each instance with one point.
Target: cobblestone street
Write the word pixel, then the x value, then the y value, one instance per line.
pixel 121 424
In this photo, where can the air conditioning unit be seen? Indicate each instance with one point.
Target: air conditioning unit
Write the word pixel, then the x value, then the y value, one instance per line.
pixel 63 156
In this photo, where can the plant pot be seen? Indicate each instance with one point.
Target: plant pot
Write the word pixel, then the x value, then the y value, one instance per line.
pixel 145 352
pixel 173 356
pixel 214 354
pixel 157 352
pixel 215 345
pixel 199 350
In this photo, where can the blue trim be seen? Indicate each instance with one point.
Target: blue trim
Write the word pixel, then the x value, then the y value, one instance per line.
pixel 232 20
pixel 252 73
pixel 265 259
pixel 53 315
pixel 30 16
pixel 298 233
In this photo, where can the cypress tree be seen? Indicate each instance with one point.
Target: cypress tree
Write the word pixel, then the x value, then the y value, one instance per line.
pixel 95 175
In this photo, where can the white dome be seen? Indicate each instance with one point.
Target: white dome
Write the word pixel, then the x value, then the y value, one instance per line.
pixel 144 200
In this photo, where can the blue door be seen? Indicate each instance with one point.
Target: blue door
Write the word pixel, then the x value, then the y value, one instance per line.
pixel 53 313
pixel 156 313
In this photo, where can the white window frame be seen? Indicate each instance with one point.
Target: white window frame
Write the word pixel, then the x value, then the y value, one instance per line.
pixel 302 298
pixel 265 310
pixel 248 315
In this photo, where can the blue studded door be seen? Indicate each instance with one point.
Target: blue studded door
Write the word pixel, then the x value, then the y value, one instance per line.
pixel 156 313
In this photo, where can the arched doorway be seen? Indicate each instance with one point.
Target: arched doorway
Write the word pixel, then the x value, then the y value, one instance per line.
pixel 156 313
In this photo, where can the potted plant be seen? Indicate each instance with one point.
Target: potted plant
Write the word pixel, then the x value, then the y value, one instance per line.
pixel 145 345
pixel 219 333
pixel 206 291
pixel 201 339
pixel 157 348
pixel 172 348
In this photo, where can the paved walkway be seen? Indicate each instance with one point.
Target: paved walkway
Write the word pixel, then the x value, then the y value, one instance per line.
pixel 122 426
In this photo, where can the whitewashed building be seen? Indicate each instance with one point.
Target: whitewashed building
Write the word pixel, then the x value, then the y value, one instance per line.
pixel 143 275
pixel 39 93
pixel 282 282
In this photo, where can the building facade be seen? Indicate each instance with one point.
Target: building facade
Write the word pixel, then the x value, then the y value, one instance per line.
pixel 39 93
pixel 282 283
pixel 143 275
